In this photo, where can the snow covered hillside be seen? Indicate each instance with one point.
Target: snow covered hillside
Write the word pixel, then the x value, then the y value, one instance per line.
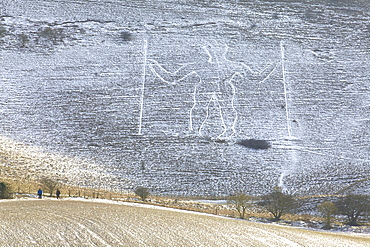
pixel 158 92
pixel 34 222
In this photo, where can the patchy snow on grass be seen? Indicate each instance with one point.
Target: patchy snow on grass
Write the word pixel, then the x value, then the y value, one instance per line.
pixel 97 222
pixel 21 160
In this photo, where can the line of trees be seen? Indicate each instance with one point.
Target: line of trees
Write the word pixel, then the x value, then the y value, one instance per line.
pixel 279 203
pixel 48 185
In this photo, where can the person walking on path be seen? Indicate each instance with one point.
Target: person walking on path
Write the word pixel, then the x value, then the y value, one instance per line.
pixel 58 193
pixel 39 193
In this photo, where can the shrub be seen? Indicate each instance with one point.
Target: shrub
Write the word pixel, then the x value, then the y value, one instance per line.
pixel 353 206
pixel 327 209
pixel 54 35
pixel 23 40
pixel 241 202
pixel 3 31
pixel 49 185
pixel 5 192
pixel 142 192
pixel 278 203
pixel 125 36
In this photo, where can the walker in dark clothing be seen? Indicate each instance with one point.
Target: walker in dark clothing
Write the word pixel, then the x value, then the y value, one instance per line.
pixel 58 193
pixel 39 193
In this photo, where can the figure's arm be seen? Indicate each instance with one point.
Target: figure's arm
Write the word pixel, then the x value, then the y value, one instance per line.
pixel 170 77
pixel 262 75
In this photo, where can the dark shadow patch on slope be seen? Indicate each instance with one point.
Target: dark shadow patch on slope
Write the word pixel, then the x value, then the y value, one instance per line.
pixel 254 144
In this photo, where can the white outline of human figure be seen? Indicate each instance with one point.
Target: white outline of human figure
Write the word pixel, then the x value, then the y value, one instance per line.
pixel 215 84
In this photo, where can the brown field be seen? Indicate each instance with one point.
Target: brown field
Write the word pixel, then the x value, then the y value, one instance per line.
pixel 67 222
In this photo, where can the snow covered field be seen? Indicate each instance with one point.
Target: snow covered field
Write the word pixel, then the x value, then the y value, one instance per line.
pixel 87 79
pixel 71 222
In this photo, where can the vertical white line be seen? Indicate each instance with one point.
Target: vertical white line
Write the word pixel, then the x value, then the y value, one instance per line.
pixel 192 109
pixel 233 100
pixel 281 180
pixel 222 118
pixel 285 88
pixel 145 49
pixel 207 115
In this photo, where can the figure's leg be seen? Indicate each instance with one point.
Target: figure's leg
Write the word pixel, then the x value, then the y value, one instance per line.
pixel 198 113
pixel 228 111
pixel 230 117
pixel 191 113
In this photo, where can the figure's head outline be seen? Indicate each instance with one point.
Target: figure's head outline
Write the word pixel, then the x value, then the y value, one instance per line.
pixel 216 51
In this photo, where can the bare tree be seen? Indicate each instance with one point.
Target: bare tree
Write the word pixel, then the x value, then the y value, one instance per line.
pixel 353 206
pixel 49 185
pixel 327 209
pixel 278 203
pixel 142 192
pixel 241 202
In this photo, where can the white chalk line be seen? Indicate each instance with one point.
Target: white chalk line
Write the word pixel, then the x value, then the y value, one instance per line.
pixel 145 49
pixel 207 114
pixel 169 73
pixel 285 88
pixel 219 60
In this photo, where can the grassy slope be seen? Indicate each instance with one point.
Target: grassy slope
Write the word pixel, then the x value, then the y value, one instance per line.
pixel 25 165
pixel 77 223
